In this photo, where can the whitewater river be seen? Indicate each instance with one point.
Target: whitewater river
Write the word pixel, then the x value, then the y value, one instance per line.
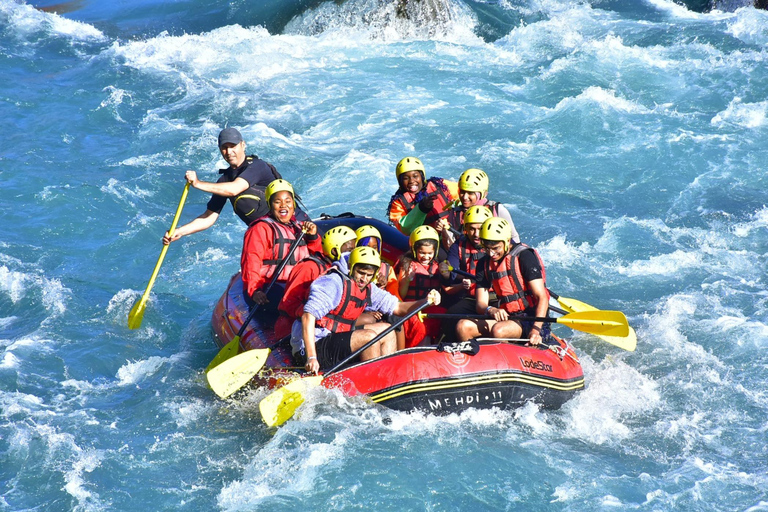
pixel 627 140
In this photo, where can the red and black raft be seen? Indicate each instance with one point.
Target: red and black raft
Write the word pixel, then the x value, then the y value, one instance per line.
pixel 439 380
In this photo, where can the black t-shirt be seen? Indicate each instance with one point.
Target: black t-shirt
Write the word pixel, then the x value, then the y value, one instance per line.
pixel 256 172
pixel 529 267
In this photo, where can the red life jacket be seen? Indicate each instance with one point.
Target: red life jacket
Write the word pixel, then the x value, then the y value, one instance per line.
pixel 469 255
pixel 441 202
pixel 426 279
pixel 456 214
pixel 283 236
pixel 353 302
pixel 507 280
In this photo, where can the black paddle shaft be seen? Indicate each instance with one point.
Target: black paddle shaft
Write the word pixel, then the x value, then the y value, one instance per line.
pixel 486 317
pixel 377 338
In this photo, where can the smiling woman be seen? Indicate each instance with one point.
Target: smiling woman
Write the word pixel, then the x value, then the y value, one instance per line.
pixel 267 242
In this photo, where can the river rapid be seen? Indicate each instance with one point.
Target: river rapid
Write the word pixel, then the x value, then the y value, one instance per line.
pixel 627 140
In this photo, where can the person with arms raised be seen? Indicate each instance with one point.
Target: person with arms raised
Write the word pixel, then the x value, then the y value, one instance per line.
pixel 268 240
pixel 243 183
pixel 325 336
pixel 418 200
pixel 516 274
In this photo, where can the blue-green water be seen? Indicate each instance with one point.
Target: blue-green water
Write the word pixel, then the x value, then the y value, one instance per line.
pixel 627 139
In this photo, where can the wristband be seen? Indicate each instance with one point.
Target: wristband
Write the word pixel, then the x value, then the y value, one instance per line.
pixel 536 328
pixel 488 310
pixel 311 358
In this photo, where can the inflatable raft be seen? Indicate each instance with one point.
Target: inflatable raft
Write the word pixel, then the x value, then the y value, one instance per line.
pixel 439 379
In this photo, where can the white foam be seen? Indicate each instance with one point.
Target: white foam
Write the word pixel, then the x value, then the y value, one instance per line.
pixel 557 251
pixel 615 391
pixel 277 470
pixel 17 285
pixel 606 100
pixel 379 20
pixel 759 221
pixel 750 26
pixel 26 21
pixel 662 265
pixel 134 372
pixel 743 115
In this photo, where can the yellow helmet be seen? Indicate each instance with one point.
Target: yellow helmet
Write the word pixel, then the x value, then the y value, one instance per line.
pixel 368 231
pixel 278 186
pixel 408 164
pixel 477 214
pixel 496 229
pixel 423 233
pixel 474 180
pixel 364 255
pixel 334 238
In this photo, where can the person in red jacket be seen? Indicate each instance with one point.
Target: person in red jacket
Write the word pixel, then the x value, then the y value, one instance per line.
pixel 267 242
pixel 337 240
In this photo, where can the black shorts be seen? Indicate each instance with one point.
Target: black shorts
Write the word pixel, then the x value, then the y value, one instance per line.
pixel 333 349
pixel 527 325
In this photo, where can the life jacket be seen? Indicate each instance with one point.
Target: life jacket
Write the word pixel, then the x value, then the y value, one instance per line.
pixel 456 214
pixel 354 301
pixel 507 281
pixel 283 236
pixel 409 200
pixel 469 255
pixel 251 204
pixel 425 279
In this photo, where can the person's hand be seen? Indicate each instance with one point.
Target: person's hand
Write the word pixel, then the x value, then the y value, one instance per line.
pixel 191 177
pixel 310 227
pixel 443 225
pixel 433 297
pixel 412 271
pixel 168 239
pixel 498 314
pixel 312 365
pixel 260 298
pixel 535 337
pixel 426 204
pixel 445 269
pixel 466 283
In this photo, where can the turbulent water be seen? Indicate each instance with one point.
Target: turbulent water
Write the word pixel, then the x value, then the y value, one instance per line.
pixel 627 139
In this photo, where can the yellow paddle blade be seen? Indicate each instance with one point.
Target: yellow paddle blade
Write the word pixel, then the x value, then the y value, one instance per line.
pixel 137 314
pixel 628 342
pixel 227 351
pixel 574 306
pixel 279 406
pixel 603 323
pixel 236 372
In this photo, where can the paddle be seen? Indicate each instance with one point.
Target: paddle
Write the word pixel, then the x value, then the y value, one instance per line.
pixel 628 342
pixel 137 312
pixel 229 370
pixel 279 406
pixel 610 323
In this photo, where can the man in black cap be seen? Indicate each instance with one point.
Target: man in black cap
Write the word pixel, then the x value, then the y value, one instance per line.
pixel 243 183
